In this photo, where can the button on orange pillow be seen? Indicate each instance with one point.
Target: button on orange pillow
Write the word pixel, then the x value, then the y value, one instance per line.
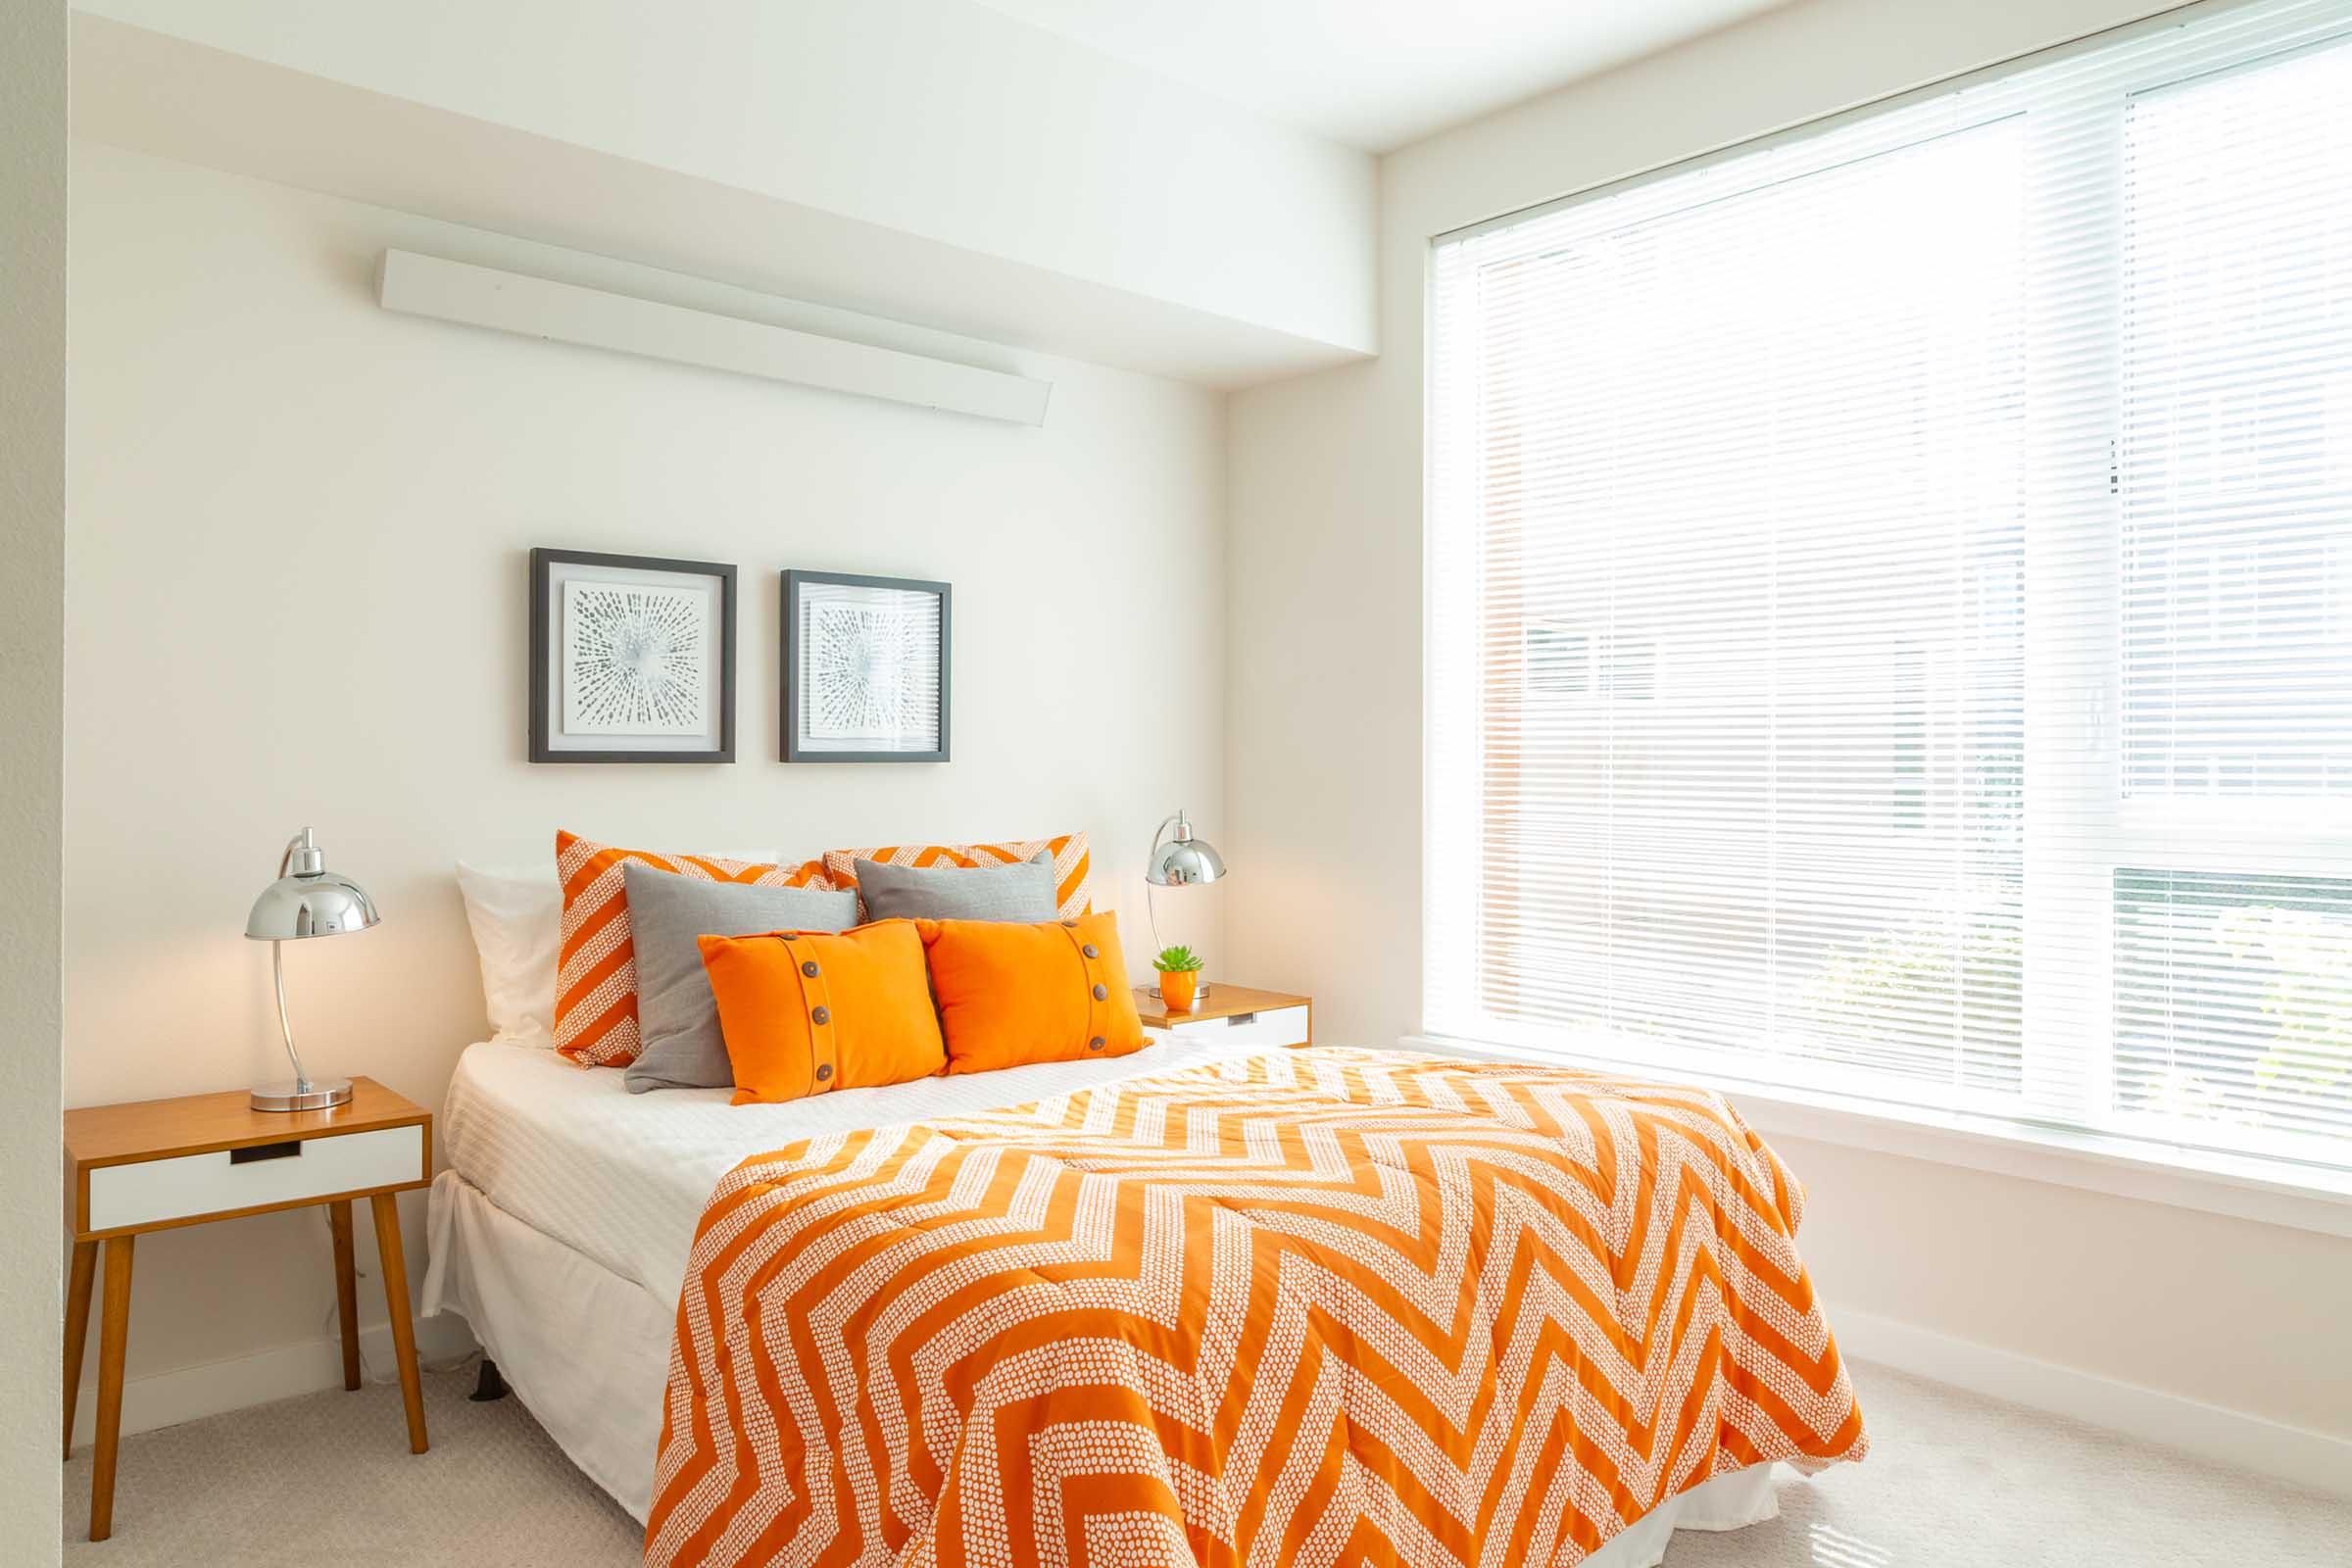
pixel 1010 995
pixel 806 1012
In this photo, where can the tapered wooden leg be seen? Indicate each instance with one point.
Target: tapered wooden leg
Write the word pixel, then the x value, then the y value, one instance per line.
pixel 347 1289
pixel 113 1332
pixel 396 1304
pixel 77 1327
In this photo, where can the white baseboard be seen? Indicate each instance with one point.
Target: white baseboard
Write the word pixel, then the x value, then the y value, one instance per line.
pixel 2230 1437
pixel 212 1388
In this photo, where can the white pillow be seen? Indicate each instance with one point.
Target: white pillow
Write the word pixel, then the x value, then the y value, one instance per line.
pixel 517 913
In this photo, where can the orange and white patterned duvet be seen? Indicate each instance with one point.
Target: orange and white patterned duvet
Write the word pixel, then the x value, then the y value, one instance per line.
pixel 1316 1306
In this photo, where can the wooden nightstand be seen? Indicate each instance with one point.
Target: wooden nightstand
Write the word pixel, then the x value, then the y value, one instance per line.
pixel 1232 1013
pixel 161 1163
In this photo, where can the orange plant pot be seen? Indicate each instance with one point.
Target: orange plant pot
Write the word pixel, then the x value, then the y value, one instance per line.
pixel 1176 988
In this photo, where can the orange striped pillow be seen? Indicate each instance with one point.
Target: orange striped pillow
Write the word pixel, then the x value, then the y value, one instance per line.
pixel 1073 894
pixel 596 964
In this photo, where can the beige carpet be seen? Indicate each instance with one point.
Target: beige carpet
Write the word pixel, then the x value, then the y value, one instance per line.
pixel 1951 1480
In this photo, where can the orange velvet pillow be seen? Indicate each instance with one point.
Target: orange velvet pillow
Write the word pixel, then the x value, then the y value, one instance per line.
pixel 1010 995
pixel 805 1012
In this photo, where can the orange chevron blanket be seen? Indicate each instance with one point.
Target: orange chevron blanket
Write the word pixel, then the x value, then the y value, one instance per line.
pixel 1316 1306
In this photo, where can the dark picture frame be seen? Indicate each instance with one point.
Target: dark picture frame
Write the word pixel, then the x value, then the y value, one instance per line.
pixel 544 726
pixel 796 746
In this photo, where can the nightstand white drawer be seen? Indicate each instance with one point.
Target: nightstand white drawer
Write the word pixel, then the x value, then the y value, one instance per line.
pixel 1275 1026
pixel 151 1191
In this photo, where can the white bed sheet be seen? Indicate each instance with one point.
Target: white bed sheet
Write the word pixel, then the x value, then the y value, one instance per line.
pixel 623 1178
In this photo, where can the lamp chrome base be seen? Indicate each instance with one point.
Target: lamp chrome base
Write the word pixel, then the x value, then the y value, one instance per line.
pixel 312 1093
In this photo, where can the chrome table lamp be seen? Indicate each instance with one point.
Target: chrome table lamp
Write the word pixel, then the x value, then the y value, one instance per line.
pixel 306 901
pixel 1182 861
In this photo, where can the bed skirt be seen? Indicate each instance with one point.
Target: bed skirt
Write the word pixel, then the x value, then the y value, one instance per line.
pixel 586 1350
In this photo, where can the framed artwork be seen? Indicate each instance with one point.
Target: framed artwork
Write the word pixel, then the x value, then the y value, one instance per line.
pixel 632 659
pixel 865 668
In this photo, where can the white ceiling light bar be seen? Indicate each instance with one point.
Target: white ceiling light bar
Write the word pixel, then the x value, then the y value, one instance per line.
pixel 564 313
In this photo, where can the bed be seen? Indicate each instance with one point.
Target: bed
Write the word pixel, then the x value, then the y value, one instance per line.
pixel 575 1217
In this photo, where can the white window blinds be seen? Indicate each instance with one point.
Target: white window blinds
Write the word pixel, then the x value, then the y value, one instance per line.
pixel 1890 602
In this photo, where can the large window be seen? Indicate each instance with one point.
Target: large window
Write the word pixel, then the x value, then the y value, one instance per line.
pixel 1890 599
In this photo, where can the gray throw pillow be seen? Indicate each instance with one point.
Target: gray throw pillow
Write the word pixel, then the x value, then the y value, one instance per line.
pixel 1023 892
pixel 678 1043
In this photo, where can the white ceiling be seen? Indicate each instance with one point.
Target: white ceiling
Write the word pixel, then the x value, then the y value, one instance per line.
pixel 1377 73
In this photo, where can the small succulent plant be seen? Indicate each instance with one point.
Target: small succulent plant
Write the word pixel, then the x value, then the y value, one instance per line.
pixel 1176 960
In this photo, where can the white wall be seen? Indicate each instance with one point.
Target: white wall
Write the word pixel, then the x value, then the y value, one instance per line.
pixel 1324 743
pixel 32 516
pixel 296 596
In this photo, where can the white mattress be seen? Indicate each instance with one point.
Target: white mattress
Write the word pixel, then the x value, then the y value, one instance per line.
pixel 622 1178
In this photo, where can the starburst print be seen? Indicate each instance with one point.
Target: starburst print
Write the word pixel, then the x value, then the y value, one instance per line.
pixel 872 669
pixel 635 659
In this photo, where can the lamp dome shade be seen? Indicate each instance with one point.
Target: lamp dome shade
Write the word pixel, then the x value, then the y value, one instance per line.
pixel 316 903
pixel 1183 861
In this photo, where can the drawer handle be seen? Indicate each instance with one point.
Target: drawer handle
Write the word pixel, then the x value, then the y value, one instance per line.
pixel 1241 1018
pixel 291 1149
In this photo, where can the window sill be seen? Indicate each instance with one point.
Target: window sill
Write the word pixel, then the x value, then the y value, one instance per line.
pixel 2238 1186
